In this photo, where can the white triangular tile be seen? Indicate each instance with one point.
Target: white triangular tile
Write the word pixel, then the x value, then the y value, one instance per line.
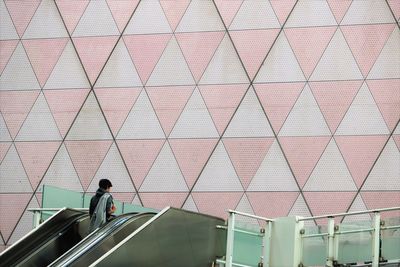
pixel 243 221
pixel 61 173
pixel 300 209
pixel 306 118
pixel 225 66
pixel 249 119
pixel 13 178
pixel 190 205
pixel 219 173
pixel 97 20
pixel 18 73
pixel 255 15
pixel 337 62
pixel 119 70
pixel 4 134
pixel 148 18
pixel 7 29
pixel 274 173
pixel 387 65
pixel 368 12
pixel 275 67
pixel 171 69
pixel 386 172
pixel 200 16
pixel 40 124
pixel 358 205
pixel 142 122
pixel 165 175
pixel 363 116
pixel 25 223
pixel 195 120
pixel 68 72
pixel 90 123
pixel 46 23
pixel 330 173
pixel 312 13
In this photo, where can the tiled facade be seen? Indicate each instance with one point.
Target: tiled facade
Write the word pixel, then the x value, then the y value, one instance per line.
pixel 273 107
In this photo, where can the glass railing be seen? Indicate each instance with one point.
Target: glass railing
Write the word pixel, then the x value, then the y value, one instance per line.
pixel 391 239
pixel 315 245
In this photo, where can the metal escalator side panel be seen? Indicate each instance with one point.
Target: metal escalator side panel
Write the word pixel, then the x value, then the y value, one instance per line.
pixel 94 245
pixel 33 243
pixel 171 238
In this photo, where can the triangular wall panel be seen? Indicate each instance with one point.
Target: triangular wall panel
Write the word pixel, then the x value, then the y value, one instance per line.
pixel 339 8
pixel 282 8
pixel 122 11
pixel 274 173
pixel 4 133
pixel 357 205
pixel 7 49
pixel 142 122
pixel 7 30
pixel 311 13
pixel 360 13
pixel 139 156
pixel 71 12
pixel 228 10
pixel 174 11
pixel 279 203
pixel 160 200
pixel 249 119
pixel 195 121
pixel 116 104
pixel 168 103
pixel 382 199
pixel 21 13
pixel 205 202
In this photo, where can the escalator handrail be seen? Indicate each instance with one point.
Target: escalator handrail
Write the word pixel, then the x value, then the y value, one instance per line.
pixel 96 237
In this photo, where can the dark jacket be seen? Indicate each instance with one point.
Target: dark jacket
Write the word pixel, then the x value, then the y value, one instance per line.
pixel 95 199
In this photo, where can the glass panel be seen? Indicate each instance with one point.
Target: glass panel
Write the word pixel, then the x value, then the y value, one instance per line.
pixel 118 205
pixel 86 199
pixel 136 208
pixel 355 247
pixel 315 248
pixel 54 197
pixel 175 238
pixel 391 240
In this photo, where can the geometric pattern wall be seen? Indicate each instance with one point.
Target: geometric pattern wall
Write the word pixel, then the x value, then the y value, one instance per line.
pixel 270 107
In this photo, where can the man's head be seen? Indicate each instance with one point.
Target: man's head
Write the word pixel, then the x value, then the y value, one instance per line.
pixel 105 184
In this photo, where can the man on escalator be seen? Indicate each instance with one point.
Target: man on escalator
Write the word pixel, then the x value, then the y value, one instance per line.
pixel 101 205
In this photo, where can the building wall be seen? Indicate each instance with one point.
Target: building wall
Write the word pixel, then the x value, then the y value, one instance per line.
pixel 273 107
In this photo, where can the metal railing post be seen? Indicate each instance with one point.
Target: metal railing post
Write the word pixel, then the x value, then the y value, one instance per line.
pixel 36 218
pixel 267 243
pixel 331 244
pixel 230 239
pixel 376 240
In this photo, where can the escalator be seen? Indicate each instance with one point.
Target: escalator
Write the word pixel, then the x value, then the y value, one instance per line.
pixel 49 241
pixel 102 240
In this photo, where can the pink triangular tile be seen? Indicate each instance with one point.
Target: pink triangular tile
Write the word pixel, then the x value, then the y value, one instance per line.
pixel 94 52
pixel 360 153
pixel 395 6
pixel 253 46
pixel 339 8
pixel 11 208
pixel 162 200
pixel 324 203
pixel 36 158
pixel 279 203
pixel 64 105
pixel 396 139
pixel 282 8
pixel 123 197
pixel 228 9
pixel 116 104
pixel 7 48
pixel 71 12
pixel 334 99
pixel 4 146
pixel 174 11
pixel 43 55
pixel 168 103
pixel 277 100
pixel 246 155
pixel 122 11
pixel 303 154
pixel 216 203
pixel 139 156
pixel 21 13
pixel 198 49
pixel 386 94
pixel 382 199
pixel 192 155
pixel 309 44
pixel 87 157
pixel 366 42
pixel 15 106
pixel 221 107
pixel 145 51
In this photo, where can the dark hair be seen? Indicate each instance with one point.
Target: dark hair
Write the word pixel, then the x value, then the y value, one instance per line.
pixel 105 184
